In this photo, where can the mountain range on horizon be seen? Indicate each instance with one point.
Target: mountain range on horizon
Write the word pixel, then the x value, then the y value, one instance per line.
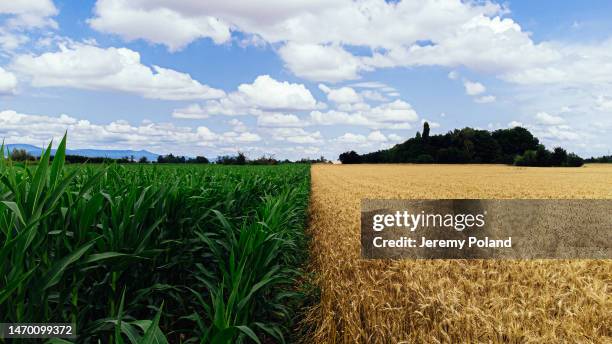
pixel 89 153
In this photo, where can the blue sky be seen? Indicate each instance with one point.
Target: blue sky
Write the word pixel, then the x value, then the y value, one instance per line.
pixel 301 78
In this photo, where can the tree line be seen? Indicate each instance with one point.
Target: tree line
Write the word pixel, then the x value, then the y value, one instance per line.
pixel 22 155
pixel 515 146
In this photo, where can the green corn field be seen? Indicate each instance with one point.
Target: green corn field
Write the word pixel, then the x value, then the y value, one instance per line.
pixel 153 254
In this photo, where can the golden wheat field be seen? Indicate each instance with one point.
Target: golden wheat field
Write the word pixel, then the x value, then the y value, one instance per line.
pixel 450 301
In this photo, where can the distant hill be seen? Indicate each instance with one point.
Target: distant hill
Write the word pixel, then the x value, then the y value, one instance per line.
pixel 90 153
pixel 469 146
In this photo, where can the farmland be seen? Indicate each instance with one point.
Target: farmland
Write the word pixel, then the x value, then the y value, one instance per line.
pixel 199 254
pixel 142 254
pixel 432 301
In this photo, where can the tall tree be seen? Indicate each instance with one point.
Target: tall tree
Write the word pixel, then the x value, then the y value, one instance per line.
pixel 425 131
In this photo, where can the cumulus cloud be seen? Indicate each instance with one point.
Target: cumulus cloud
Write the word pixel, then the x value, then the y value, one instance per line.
pixel 268 93
pixel 485 99
pixel 342 95
pixel 17 127
pixel 395 138
pixel 318 62
pixel 393 115
pixel 8 82
pixel 117 69
pixel 280 120
pixel 132 20
pixel 377 136
pixel 297 135
pixel 604 103
pixel 265 94
pixel 376 96
pixel 351 138
pixel 548 119
pixel 314 37
pixel 576 65
pixel 238 126
pixel 473 88
pixel 28 13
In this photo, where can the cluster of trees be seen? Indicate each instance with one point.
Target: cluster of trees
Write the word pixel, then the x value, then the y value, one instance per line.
pixel 543 157
pixel 172 159
pixel 469 146
pixel 606 159
pixel 21 155
pixel 241 159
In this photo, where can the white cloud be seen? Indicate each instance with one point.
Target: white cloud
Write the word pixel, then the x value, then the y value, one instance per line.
pixel 342 95
pixel 157 137
pixel 268 93
pixel 329 63
pixel 8 82
pixel 279 120
pixel 265 94
pixel 376 96
pixel 333 117
pixel 351 138
pixel 396 111
pixel 248 137
pixel 29 13
pixel 192 111
pixel 547 119
pixel 485 99
pixel 314 36
pixel 604 103
pixel 473 88
pixel 373 84
pixel 132 20
pixel 453 75
pixel 10 40
pixel 117 69
pixel 558 134
pixel 297 135
pixel 33 129
pixel 513 124
pixel 393 115
pixel 395 138
pixel 238 126
pixel 575 64
pixel 377 136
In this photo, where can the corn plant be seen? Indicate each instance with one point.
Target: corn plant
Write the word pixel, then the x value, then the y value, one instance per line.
pixel 104 246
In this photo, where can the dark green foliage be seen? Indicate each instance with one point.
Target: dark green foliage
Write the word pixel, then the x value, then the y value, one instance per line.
pixel 465 146
pixel 574 160
pixel 239 159
pixel 153 253
pixel 264 160
pixel 171 159
pixel 558 157
pixel 544 158
pixel 424 159
pixel 21 155
pixel 514 142
pixel 529 158
pixel 198 160
pixel 606 159
pixel 425 131
pixel 350 158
